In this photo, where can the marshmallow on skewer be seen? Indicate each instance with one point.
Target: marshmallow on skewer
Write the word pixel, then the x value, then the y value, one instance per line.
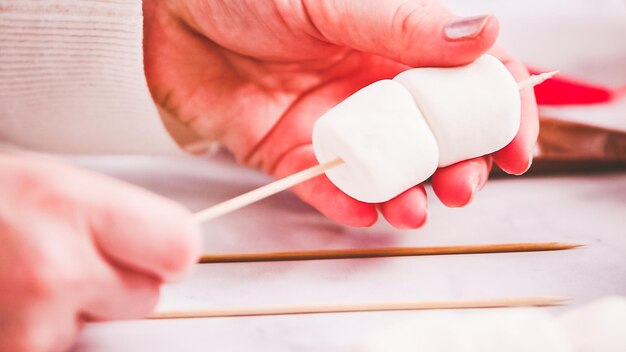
pixel 383 140
pixel 385 143
pixel 373 187
pixel 472 110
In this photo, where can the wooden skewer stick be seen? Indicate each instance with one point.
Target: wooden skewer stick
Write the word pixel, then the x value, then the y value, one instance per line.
pixel 264 191
pixel 299 177
pixel 535 80
pixel 384 252
pixel 538 301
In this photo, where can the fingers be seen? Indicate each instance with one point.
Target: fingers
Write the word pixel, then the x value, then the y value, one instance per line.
pixel 516 157
pixel 131 226
pixel 322 194
pixel 456 185
pixel 122 294
pixel 415 33
pixel 407 210
pixel 144 232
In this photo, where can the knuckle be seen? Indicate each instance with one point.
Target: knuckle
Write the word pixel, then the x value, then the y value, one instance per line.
pixel 403 19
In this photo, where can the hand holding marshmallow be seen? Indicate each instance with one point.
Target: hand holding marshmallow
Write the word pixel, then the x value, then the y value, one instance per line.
pixel 392 135
pixel 259 87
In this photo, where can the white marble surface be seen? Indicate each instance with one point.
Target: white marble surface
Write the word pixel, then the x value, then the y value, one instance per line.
pixel 589 209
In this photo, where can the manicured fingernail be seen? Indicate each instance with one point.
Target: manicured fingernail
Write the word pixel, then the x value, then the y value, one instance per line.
pixel 465 28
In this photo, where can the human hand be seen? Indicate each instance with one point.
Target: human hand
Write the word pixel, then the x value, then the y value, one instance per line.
pixel 255 75
pixel 77 247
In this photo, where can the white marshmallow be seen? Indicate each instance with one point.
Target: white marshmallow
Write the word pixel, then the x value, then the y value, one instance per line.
pixel 472 110
pixel 383 140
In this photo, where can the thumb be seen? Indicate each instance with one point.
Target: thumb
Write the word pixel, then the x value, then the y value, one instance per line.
pixel 414 33
pixel 142 231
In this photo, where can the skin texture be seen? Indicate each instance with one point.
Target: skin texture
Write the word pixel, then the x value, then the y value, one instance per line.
pixel 80 247
pixel 255 74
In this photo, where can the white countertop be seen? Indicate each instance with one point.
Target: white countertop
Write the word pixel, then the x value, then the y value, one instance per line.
pixel 589 209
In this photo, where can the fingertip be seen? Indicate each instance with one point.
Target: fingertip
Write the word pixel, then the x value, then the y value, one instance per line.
pixel 460 41
pixel 145 296
pixel 324 196
pixel 513 161
pixel 409 210
pixel 472 36
pixel 516 157
pixel 149 299
pixel 457 184
pixel 184 246
pixel 130 295
pixel 178 239
pixel 453 195
pixel 145 232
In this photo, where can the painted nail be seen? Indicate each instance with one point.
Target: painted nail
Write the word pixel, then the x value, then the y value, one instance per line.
pixel 465 27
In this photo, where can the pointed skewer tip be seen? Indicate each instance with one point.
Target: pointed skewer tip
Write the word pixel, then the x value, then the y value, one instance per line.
pixel 536 79
pixel 563 300
pixel 542 77
pixel 574 245
pixel 554 300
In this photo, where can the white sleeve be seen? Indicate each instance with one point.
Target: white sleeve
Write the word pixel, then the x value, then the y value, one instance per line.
pixel 72 79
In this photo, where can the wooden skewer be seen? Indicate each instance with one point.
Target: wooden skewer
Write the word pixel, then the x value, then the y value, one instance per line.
pixel 385 252
pixel 264 191
pixel 292 180
pixel 535 80
pixel 538 301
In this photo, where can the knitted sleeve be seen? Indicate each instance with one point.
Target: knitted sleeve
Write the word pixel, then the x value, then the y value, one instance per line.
pixel 72 79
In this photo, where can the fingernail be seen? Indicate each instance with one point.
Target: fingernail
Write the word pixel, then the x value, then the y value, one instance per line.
pixel 476 186
pixel 465 27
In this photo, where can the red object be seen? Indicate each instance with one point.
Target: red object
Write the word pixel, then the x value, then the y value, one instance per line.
pixel 562 90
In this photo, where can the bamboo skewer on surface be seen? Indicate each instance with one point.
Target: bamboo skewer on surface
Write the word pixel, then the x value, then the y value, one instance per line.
pixel 385 252
pixel 533 301
pixel 299 177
